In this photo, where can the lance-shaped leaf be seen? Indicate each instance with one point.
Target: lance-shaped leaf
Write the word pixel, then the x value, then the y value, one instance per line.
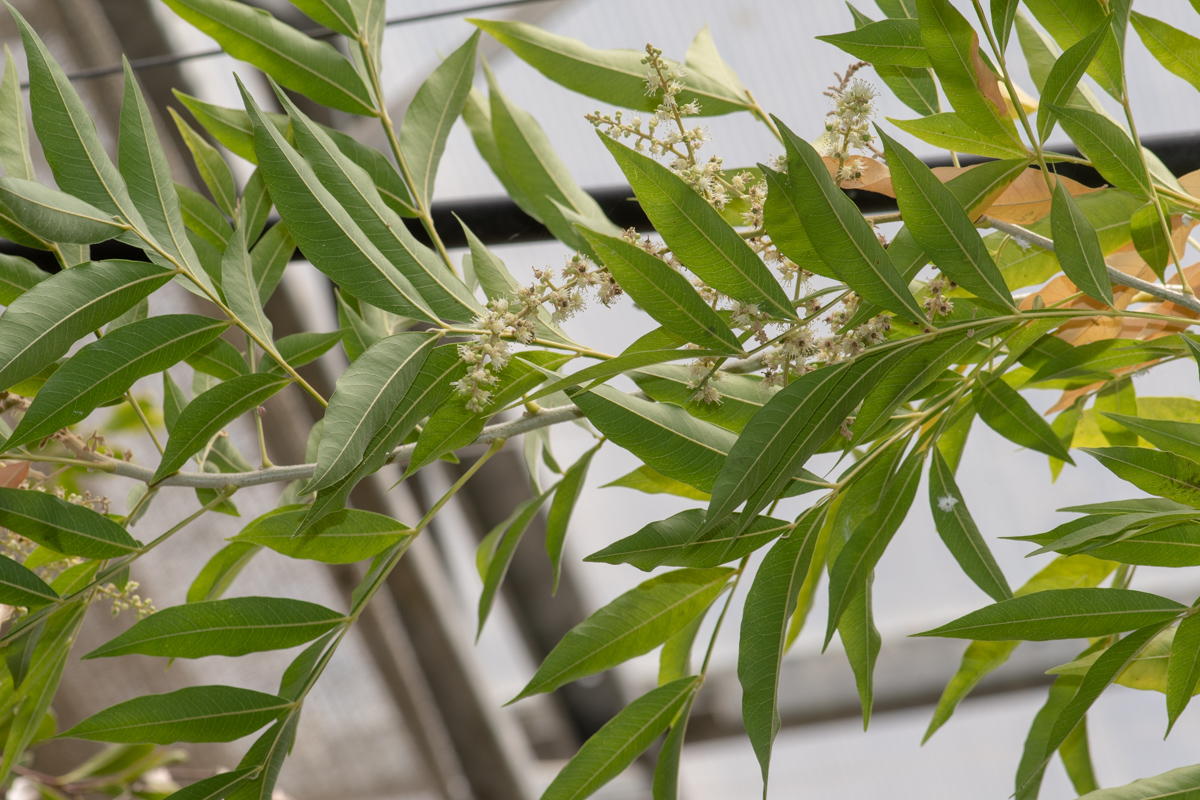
pixel 107 368
pixel 855 562
pixel 324 230
pixel 147 176
pixel 622 739
pixel 366 395
pixel 204 221
pixel 496 551
pixel 214 787
pixel 220 571
pixel 664 436
pixel 959 532
pixel 337 15
pixel 351 186
pixel 559 517
pixel 940 225
pixel 55 216
pixel 219 359
pixel 432 112
pixel 269 258
pixel 232 627
pixel 240 288
pixel 1010 415
pixel 43 323
pixel 1183 668
pixel 950 131
pixel 22 587
pixel 343 537
pixel 769 607
pixel 1160 473
pixel 676 542
pixel 1176 50
pixel 663 293
pixel 68 135
pixel 211 411
pixel 1109 148
pixel 63 527
pixel 1062 614
pixel 617 77
pixel 1149 238
pixel 312 68
pixel 211 165
pixel 788 430
pixel 895 42
pixel 847 244
pixel 782 221
pixel 194 714
pixel 1063 81
pixel 697 235
pixel 300 349
pixel 267 755
pixel 14 135
pixel 741 396
pixel 1077 246
pixel 633 624
pixel 18 276
pixel 982 658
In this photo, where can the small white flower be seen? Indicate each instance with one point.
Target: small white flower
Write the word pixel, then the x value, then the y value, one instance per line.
pixel 23 789
pixel 947 503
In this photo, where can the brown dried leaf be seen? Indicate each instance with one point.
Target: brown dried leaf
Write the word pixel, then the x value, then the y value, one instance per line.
pixel 986 80
pixel 1027 199
pixel 875 177
pixel 12 474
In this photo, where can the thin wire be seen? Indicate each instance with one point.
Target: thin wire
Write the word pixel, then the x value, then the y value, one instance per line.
pixel 154 62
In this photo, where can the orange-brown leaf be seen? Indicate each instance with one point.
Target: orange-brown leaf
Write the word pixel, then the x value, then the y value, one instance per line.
pixel 11 475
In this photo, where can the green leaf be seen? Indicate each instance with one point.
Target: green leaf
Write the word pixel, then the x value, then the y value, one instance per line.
pixel 55 216
pixel 702 58
pixel 351 186
pixel 941 226
pixel 1077 246
pixel 22 587
pixel 847 244
pixel 1181 438
pixel 107 368
pixel 63 527
pixel 14 135
pixel 950 131
pixel 1003 14
pixel 220 571
pixel 229 126
pixel 204 221
pixel 315 69
pixel 496 551
pixel 958 531
pixel 240 287
pixel 540 176
pixel 622 739
pixel 300 349
pixel 616 77
pixel 1176 784
pixel 1176 50
pixel 212 167
pixel 953 49
pixel 1062 614
pixel 664 436
pixel 559 517
pixel 894 42
pixel 675 658
pixel 211 411
pixel 219 359
pixel 17 276
pixel 677 542
pixel 1032 765
pixel 432 112
pixel 324 230
pixel 635 623
pixel 68 135
pixel 194 714
pixel 214 787
pixel 666 769
pixel 231 627
pixel 269 258
pixel 982 658
pixel 343 537
pixel 1109 148
pixel 268 753
pixel 788 430
pixel 1183 668
pixel 478 117
pixel 861 552
pixel 1063 80
pixel 41 325
pixel 663 293
pixel 1149 238
pixel 365 396
pixel 1090 362
pixel 1009 414
pixel 651 481
pixel 770 604
pixel 1069 20
pixel 1077 759
pixel 337 15
pixel 697 235
pixel 741 396
pixel 1164 474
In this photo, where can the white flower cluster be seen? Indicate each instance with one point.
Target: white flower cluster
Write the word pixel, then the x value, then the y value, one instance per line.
pixel 848 125
pixel 125 599
pixel 789 356
pixel 513 318
pixel 937 304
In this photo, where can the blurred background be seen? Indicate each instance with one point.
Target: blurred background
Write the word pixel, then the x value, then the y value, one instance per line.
pixel 411 707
